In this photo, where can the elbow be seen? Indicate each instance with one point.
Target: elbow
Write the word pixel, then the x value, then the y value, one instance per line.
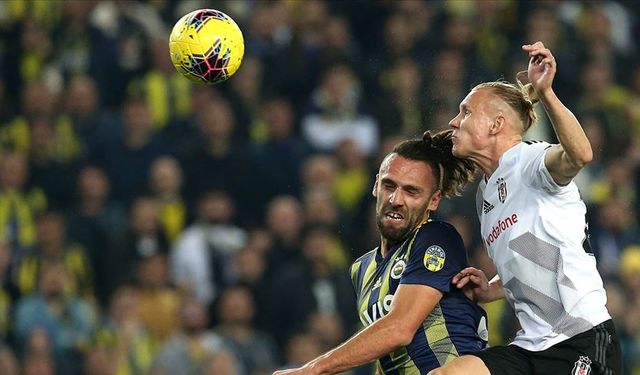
pixel 585 157
pixel 579 158
pixel 404 336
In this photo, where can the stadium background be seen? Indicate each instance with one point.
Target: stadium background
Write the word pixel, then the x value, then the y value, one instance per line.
pixel 123 186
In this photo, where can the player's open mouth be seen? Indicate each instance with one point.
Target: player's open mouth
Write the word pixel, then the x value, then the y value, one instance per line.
pixel 394 216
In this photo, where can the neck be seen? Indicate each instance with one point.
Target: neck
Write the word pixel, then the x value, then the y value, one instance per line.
pixel 488 159
pixel 385 245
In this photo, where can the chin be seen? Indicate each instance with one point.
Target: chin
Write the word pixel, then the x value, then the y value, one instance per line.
pixel 392 233
pixel 457 151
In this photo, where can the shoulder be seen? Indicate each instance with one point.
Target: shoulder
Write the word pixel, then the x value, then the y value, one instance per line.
pixel 366 256
pixel 436 229
pixel 364 259
pixel 532 147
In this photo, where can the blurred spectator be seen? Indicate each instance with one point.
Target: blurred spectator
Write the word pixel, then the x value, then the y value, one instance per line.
pixel 301 349
pixel 40 364
pixel 255 349
pixel 128 157
pixel 98 224
pixel 328 328
pixel 186 351
pixel 62 319
pixel 353 179
pixel 217 161
pixel 277 160
pixel 40 100
pixel 284 221
pixel 400 107
pixel 121 344
pixel 249 271
pixel 245 96
pixel 53 176
pixel 7 294
pixel 145 237
pixel 82 48
pixel 201 257
pixel 321 210
pixel 615 230
pixel 18 206
pixel 603 98
pixel 319 171
pixel 339 44
pixel 167 93
pixel 165 182
pixel 52 245
pixel 222 362
pixel 311 286
pixel 94 125
pixel 336 113
pixel 447 82
pixel 8 361
pixel 158 300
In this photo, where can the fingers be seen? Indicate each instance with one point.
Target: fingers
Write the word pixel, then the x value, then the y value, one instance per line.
pixel 539 53
pixel 461 282
pixel 462 274
pixel 535 45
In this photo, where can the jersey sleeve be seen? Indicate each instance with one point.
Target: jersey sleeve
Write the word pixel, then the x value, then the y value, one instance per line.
pixel 534 169
pixel 436 255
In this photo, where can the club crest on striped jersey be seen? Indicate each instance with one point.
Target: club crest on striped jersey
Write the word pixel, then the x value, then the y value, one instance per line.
pixel 398 269
pixel 434 258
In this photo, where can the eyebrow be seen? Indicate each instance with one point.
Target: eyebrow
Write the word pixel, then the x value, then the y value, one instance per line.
pixel 405 187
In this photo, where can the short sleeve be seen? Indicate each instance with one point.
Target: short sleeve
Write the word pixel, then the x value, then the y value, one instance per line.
pixel 534 169
pixel 436 255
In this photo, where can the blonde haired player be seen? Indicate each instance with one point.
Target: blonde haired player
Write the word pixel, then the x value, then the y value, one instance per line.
pixel 533 226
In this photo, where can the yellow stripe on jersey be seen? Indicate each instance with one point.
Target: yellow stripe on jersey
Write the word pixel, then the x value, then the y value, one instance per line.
pixel 415 234
pixel 438 337
pixel 355 268
pixel 408 367
pixel 363 303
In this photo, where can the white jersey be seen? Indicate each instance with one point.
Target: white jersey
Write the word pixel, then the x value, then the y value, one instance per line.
pixel 536 233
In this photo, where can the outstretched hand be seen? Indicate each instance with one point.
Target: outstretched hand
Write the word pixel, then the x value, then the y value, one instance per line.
pixel 542 66
pixel 474 283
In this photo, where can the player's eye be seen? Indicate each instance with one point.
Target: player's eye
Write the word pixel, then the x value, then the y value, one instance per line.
pixel 412 192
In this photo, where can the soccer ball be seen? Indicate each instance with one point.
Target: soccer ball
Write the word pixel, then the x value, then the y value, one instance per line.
pixel 206 46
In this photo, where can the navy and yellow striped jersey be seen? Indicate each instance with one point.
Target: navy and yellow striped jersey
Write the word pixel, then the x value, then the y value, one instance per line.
pixel 431 255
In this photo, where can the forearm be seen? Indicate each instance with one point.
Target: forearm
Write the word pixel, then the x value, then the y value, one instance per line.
pixel 576 146
pixel 373 342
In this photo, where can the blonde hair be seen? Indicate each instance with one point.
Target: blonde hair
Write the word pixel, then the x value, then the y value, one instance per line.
pixel 519 96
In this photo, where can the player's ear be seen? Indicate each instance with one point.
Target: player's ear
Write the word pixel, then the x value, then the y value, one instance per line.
pixel 498 124
pixel 375 186
pixel 434 201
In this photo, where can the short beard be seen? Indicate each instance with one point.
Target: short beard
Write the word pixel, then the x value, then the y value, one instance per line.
pixel 391 235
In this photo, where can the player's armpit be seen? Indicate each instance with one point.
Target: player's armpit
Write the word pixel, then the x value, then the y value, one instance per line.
pixel 560 168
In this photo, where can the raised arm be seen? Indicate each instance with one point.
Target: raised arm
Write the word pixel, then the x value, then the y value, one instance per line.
pixel 565 160
pixel 411 305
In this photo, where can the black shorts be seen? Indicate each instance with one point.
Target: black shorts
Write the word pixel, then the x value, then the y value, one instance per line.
pixel 597 350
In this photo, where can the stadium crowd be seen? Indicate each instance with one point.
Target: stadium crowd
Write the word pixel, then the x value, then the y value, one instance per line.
pixel 152 226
